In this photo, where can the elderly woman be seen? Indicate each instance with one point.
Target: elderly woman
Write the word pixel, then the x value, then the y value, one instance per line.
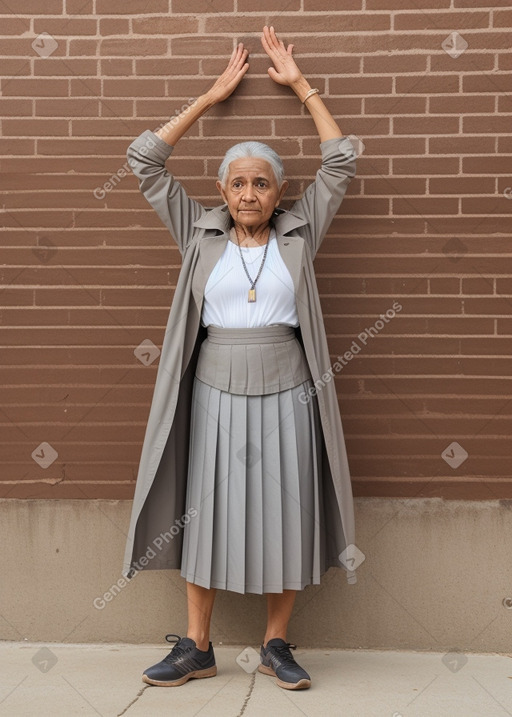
pixel 243 480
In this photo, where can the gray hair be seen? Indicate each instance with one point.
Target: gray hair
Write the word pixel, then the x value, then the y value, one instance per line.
pixel 252 149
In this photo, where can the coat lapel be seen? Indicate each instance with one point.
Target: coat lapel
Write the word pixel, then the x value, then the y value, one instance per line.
pixel 212 245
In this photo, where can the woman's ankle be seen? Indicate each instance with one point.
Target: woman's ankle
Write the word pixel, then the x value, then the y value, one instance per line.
pixel 202 641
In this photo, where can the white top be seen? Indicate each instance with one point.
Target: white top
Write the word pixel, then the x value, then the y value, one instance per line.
pixel 227 289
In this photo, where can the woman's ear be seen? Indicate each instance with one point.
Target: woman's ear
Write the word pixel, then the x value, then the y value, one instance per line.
pixel 284 187
pixel 221 190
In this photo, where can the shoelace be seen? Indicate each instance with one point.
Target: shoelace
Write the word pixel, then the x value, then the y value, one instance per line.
pixel 284 651
pixel 177 650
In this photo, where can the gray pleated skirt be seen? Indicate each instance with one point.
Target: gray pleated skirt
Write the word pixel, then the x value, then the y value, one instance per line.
pixel 254 474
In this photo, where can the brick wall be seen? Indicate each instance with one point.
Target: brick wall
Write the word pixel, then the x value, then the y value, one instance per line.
pixel 88 273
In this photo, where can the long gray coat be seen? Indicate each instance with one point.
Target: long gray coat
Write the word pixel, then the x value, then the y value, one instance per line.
pixel 157 520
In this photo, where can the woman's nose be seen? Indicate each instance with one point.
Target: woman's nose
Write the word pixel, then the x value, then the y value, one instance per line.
pixel 248 193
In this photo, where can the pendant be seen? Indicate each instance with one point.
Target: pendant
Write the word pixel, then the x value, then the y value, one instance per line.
pixel 252 295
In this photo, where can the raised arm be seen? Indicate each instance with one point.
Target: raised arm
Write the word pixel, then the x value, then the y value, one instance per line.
pixel 222 89
pixel 322 198
pixel 286 72
pixel 148 153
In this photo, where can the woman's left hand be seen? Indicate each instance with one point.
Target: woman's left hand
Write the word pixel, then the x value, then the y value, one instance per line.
pixel 285 70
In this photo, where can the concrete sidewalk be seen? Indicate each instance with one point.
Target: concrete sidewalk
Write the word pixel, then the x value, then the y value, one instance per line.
pixel 54 679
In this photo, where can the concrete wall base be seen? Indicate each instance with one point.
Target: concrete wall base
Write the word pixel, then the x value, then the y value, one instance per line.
pixel 435 577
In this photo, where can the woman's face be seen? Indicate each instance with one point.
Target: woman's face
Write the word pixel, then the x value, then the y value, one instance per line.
pixel 251 191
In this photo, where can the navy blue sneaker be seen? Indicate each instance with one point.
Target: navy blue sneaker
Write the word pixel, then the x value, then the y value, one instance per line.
pixel 184 661
pixel 277 660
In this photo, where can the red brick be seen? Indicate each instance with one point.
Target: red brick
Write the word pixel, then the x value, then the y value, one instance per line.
pixel 493 164
pixel 407 4
pixel 424 165
pixel 427 84
pixel 114 26
pixel 15 67
pixel 117 66
pixel 467 144
pixel 79 7
pixel 62 66
pixel 425 125
pixel 134 88
pixel 467 62
pixel 35 127
pixel 35 87
pixel 444 285
pixel 461 185
pixel 426 206
pixel 360 86
pixel 85 87
pixel 480 285
pixel 130 7
pixel 68 107
pixel 110 47
pixel 170 66
pixel 202 6
pixel 332 5
pixel 499 124
pixel 18 108
pixel 34 7
pixel 394 186
pixel 389 106
pixel 474 3
pixel 491 205
pixel 173 25
pixel 66 26
pixel 441 21
pixel 459 104
pixel 381 64
pixel 201 46
pixel 14 26
pixel 505 61
pixel 266 5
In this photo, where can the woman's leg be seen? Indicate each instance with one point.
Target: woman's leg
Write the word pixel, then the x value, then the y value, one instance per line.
pixel 279 610
pixel 200 606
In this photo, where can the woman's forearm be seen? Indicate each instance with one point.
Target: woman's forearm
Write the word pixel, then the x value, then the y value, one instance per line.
pixel 325 123
pixel 177 126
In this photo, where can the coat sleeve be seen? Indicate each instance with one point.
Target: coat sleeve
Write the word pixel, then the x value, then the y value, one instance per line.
pixel 146 157
pixel 322 198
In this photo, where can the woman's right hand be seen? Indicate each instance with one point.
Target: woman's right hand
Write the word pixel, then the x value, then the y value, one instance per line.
pixel 232 75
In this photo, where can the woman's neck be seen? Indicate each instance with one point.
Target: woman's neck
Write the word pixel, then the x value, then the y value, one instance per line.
pixel 251 236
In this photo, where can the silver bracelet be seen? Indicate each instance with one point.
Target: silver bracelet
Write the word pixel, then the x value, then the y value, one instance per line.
pixel 311 92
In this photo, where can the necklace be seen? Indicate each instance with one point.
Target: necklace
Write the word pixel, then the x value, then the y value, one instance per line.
pixel 252 290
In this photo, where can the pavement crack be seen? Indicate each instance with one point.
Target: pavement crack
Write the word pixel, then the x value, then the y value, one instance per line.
pixel 248 695
pixel 139 693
